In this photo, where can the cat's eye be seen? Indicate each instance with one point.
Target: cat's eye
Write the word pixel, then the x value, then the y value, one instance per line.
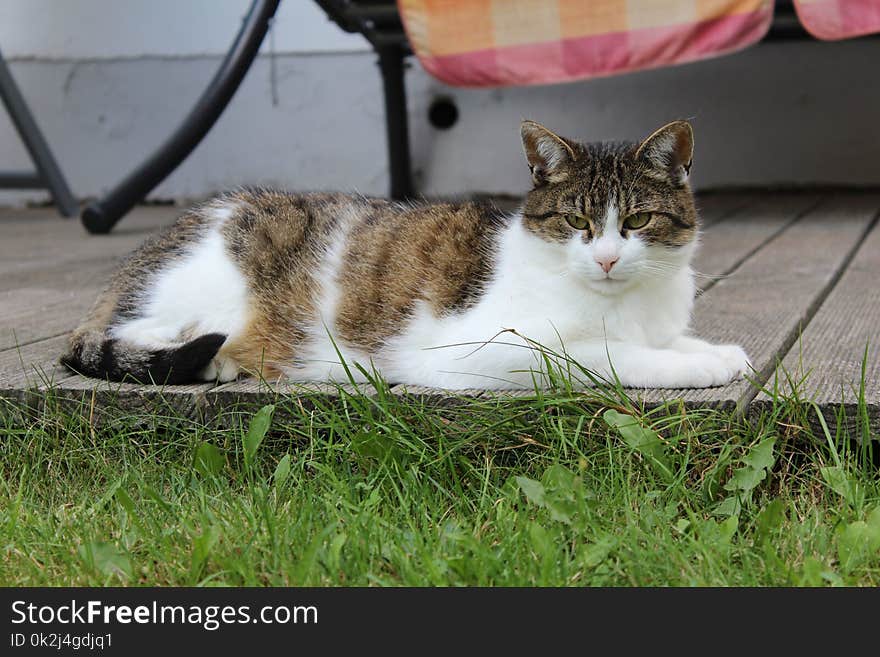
pixel 576 221
pixel 637 220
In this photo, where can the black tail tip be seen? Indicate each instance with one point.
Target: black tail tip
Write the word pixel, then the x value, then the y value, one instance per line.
pixel 183 365
pixel 178 365
pixel 201 349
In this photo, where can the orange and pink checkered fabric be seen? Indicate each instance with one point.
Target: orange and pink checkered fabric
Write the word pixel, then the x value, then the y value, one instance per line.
pixel 483 43
pixel 839 19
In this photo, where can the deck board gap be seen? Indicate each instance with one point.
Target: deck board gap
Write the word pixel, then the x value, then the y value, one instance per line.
pixel 26 343
pixel 759 247
pixel 763 376
pixel 735 210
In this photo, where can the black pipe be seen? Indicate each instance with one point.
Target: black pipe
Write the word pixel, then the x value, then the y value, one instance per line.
pixel 100 216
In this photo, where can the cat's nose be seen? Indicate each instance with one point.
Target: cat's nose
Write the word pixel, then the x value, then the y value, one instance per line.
pixel 607 262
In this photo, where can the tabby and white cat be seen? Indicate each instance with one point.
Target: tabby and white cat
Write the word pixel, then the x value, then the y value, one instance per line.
pixel 595 264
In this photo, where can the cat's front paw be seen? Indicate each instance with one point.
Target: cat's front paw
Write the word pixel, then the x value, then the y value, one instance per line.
pixel 690 370
pixel 722 365
pixel 706 369
pixel 734 358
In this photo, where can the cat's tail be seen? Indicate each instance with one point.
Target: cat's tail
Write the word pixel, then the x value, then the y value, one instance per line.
pixel 94 354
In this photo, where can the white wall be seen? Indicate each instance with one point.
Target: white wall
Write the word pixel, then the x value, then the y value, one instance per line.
pixel 108 29
pixel 783 113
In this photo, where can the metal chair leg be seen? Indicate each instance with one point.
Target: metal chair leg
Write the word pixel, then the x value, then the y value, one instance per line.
pixel 397 127
pixel 100 216
pixel 48 173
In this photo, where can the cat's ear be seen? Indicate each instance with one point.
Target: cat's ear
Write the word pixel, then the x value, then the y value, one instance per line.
pixel 670 151
pixel 547 153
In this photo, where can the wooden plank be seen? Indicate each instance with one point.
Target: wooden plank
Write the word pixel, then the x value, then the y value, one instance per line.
pixel 53 237
pixel 41 229
pixel 77 251
pixel 42 296
pixel 247 395
pixel 764 303
pixel 825 363
pixel 34 366
pixel 91 272
pixel 437 396
pixel 31 314
pixel 257 392
pixel 233 403
pixel 32 374
pixel 43 250
pixel 725 245
pixel 718 206
pixel 254 392
pixel 105 400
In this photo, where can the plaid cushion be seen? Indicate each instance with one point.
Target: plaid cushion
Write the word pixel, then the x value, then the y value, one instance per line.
pixel 839 19
pixel 484 43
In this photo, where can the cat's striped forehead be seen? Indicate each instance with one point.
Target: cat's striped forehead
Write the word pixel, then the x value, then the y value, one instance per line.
pixel 607 183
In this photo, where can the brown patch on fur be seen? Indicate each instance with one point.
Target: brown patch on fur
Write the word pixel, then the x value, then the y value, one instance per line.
pixel 394 256
pixel 260 350
pixel 440 254
pixel 278 240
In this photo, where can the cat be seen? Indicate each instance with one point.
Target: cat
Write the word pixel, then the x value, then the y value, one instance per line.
pixel 593 267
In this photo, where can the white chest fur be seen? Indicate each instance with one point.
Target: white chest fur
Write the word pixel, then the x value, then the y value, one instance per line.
pixel 536 293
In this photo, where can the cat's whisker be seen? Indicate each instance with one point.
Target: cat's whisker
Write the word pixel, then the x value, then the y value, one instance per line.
pixel 513 384
pixel 480 345
pixel 659 270
pixel 711 277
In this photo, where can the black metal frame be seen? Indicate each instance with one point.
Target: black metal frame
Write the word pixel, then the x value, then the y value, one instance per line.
pixel 379 22
pixel 100 216
pixel 48 174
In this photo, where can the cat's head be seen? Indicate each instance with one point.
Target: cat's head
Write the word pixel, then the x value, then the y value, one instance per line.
pixel 622 212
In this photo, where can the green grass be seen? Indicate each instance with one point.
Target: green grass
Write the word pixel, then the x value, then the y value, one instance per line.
pixel 559 488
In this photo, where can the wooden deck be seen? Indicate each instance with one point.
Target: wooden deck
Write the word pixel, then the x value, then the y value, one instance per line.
pixel 793 277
